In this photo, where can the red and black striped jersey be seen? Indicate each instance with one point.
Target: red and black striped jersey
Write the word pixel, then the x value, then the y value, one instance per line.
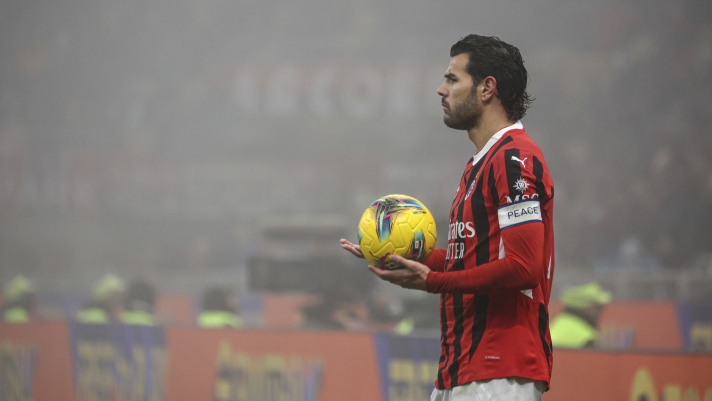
pixel 495 275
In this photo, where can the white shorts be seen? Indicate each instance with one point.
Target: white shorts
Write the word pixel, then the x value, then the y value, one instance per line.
pixel 507 389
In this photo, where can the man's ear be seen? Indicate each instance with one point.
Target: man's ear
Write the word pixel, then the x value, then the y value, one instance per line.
pixel 488 89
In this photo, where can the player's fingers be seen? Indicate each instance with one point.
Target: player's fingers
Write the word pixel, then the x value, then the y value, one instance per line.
pixel 354 249
pixel 376 270
pixel 401 261
pixel 383 274
pixel 348 247
pixel 345 242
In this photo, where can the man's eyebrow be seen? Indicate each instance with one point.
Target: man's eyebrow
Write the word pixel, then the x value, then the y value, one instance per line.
pixel 450 75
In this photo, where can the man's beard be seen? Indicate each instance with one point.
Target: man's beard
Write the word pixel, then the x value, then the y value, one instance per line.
pixel 465 115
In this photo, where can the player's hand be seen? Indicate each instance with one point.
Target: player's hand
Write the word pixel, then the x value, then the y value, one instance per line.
pixel 352 248
pixel 412 275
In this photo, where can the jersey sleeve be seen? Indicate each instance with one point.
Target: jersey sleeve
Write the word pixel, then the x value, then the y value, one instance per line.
pixel 516 187
pixel 436 261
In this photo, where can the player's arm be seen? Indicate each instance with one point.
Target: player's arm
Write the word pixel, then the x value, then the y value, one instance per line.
pixel 521 269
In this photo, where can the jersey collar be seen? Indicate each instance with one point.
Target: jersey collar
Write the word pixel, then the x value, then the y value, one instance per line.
pixel 496 137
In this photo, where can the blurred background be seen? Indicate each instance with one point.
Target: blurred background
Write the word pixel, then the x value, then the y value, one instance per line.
pixel 198 142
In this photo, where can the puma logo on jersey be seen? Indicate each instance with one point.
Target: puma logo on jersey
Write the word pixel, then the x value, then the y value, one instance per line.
pixel 515 158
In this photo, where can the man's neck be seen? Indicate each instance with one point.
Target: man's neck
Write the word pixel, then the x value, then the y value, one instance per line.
pixel 488 126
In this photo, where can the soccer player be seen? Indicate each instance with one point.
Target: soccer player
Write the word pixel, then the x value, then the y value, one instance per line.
pixel 494 277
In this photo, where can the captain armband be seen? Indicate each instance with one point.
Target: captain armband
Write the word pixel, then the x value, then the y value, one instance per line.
pixel 518 213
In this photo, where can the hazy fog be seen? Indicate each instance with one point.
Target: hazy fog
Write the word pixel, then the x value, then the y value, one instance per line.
pixel 160 138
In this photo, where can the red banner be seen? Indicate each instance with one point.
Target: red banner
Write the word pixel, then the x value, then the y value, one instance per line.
pixel 251 365
pixel 235 365
pixel 596 376
pixel 652 325
pixel 36 362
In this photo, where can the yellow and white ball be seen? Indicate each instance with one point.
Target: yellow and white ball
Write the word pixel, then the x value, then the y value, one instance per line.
pixel 396 225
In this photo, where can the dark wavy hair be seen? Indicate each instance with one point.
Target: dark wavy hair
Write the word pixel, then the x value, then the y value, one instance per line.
pixel 490 56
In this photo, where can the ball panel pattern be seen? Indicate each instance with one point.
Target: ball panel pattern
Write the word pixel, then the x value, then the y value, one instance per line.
pixel 396 225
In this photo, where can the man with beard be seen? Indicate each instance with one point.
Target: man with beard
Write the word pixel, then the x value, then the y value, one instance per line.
pixel 494 276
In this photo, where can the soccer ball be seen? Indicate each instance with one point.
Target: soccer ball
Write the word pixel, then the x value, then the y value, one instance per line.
pixel 396 225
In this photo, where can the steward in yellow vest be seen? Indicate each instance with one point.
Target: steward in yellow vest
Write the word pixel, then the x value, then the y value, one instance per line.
pixel 19 295
pixel 217 319
pixel 139 304
pixel 576 326
pixel 105 303
pixel 219 310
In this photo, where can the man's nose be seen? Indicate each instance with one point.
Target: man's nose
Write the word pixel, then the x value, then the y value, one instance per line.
pixel 441 91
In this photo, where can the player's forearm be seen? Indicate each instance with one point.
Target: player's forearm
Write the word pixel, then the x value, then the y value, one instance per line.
pixel 502 274
pixel 520 269
pixel 436 261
